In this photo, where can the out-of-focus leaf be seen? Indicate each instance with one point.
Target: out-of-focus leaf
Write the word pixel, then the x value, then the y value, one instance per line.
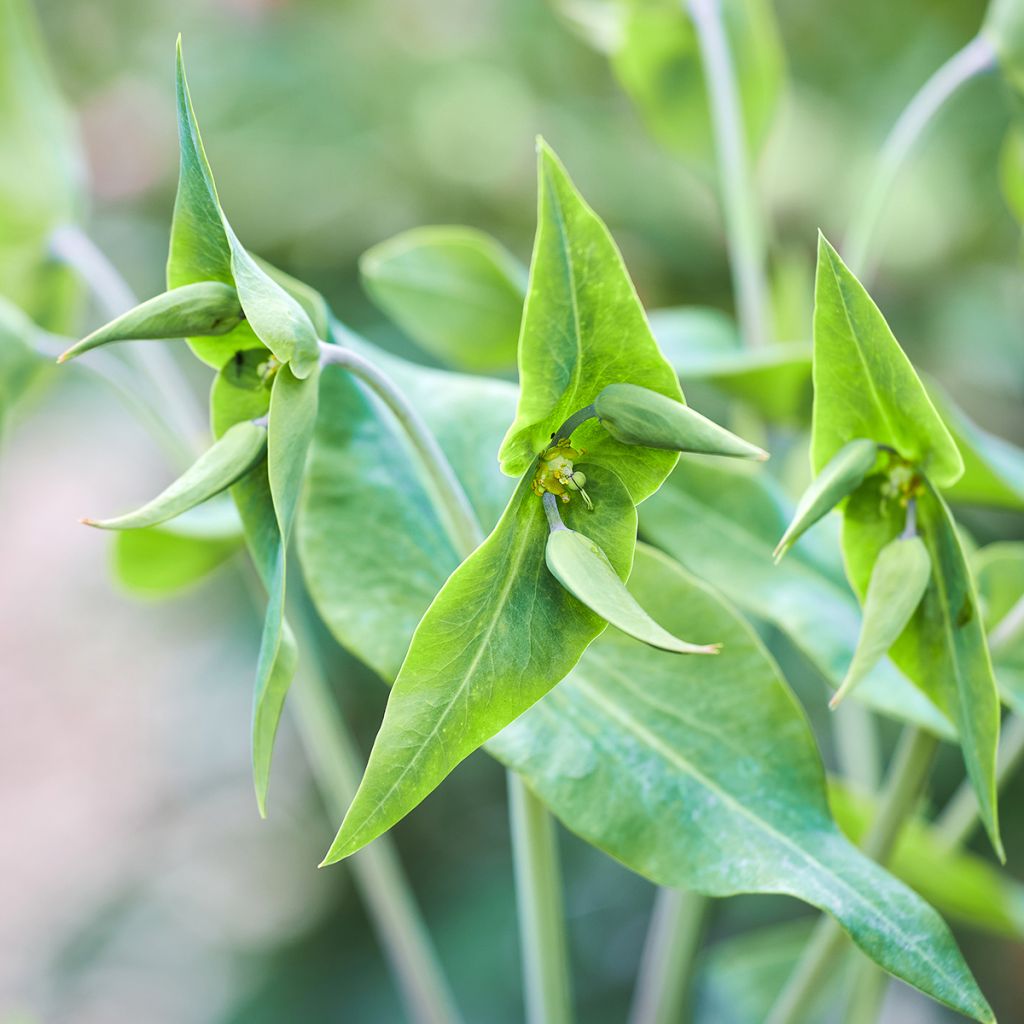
pixel 864 386
pixel 962 886
pixel 583 328
pixel 703 345
pixel 40 171
pixel 20 364
pixel 656 57
pixel 1011 170
pixel 500 633
pixel 999 571
pixel 993 468
pixel 1004 26
pixel 161 560
pixel 943 649
pixel 721 522
pixel 455 291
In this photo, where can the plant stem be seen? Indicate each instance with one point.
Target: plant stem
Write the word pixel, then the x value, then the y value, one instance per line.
pixel 856 744
pixel 539 899
pixel 973 59
pixel 666 966
pixel 743 227
pixel 538 887
pixel 870 984
pixel 907 775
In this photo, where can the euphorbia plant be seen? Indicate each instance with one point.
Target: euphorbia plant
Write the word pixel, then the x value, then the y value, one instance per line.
pixel 670 740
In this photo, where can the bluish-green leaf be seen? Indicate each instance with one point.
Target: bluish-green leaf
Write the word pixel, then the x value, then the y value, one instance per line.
pixel 583 328
pixel 231 456
pixel 455 291
pixel 864 386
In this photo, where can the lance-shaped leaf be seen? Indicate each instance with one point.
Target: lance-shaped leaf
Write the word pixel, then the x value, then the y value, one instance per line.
pixel 638 416
pixel 700 773
pixel 838 479
pixel 207 307
pixel 455 291
pixel 943 649
pixel 500 633
pixel 584 570
pixel 226 461
pixel 897 584
pixel 205 248
pixel 864 385
pixel 583 329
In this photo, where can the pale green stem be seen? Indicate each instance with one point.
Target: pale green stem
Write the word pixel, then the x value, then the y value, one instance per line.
pixel 744 230
pixel 870 983
pixel 666 966
pixel 976 57
pixel 856 741
pixel 538 886
pixel 539 899
pixel 904 783
pixel 329 749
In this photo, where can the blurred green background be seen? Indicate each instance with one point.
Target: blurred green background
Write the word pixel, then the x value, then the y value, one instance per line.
pixel 136 880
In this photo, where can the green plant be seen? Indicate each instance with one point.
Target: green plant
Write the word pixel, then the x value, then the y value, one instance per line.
pixel 484 597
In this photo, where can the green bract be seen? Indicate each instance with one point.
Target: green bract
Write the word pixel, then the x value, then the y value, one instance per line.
pixel 638 416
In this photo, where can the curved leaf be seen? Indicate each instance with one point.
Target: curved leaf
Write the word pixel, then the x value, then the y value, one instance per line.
pixel 583 328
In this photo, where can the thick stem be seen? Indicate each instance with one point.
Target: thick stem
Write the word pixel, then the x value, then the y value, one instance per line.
pixel 904 784
pixel 976 57
pixel 666 967
pixel 743 227
pixel 541 916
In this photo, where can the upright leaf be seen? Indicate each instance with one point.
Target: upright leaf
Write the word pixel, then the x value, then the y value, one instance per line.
pixel 455 291
pixel 864 386
pixel 583 328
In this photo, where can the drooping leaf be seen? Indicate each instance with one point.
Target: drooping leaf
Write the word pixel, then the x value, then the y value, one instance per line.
pixel 721 522
pixel 583 328
pixel 836 481
pixel 41 172
pixel 161 560
pixel 208 307
pixel 455 291
pixel 584 570
pixel 500 633
pixel 638 416
pixel 230 457
pixel 943 649
pixel 897 584
pixel 205 248
pixel 864 386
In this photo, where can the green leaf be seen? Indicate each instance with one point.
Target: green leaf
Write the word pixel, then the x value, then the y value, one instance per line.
pixel 943 649
pixel 230 457
pixel 1011 169
pixel 721 521
pixel 837 480
pixel 20 364
pixel 205 248
pixel 208 307
pixel 500 633
pixel 897 584
pixel 963 886
pixel 639 416
pixel 656 57
pixel 701 773
pixel 993 468
pixel 160 560
pixel 41 172
pixel 455 291
pixel 864 386
pixel 584 570
pixel 999 571
pixel 1004 26
pixel 583 328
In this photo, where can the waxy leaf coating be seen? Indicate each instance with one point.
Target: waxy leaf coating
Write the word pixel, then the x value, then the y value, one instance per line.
pixel 584 570
pixel 207 307
pixel 897 584
pixel 838 479
pixel 230 457
pixel 638 416
pixel 864 385
pixel 583 329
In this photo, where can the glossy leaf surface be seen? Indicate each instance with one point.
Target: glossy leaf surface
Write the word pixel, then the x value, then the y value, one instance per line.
pixel 455 291
pixel 864 386
pixel 583 328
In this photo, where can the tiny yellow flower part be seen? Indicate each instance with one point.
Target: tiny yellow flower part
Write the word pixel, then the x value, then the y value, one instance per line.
pixel 267 369
pixel 556 475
